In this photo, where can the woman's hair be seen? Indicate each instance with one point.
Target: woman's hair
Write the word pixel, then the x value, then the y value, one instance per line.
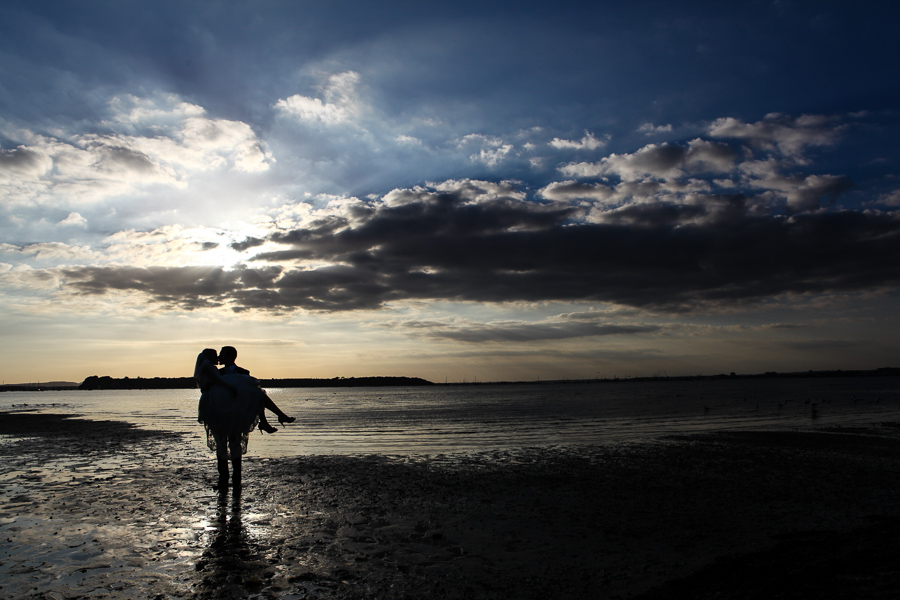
pixel 207 354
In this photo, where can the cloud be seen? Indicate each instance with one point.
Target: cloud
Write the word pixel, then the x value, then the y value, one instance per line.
pixel 653 160
pixel 492 156
pixel 185 288
pixel 471 241
pixel 341 104
pixel 313 109
pixel 489 150
pixel 673 172
pixel 247 244
pixel 147 142
pixel 573 190
pixel 660 161
pixel 784 134
pixel 890 198
pixel 23 162
pixel 706 156
pixel 51 251
pixel 408 140
pixel 26 278
pixel 588 142
pixel 74 219
pixel 174 245
pixel 804 193
pixel 651 129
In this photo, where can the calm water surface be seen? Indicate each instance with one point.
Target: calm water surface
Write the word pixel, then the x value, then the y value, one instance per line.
pixel 464 418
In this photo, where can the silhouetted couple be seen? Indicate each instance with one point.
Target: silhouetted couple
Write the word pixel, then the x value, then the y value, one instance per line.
pixel 231 405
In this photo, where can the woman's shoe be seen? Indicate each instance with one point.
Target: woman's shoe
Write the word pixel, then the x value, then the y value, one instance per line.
pixel 286 419
pixel 267 428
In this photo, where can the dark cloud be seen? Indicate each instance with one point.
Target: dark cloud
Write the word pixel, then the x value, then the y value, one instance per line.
pixel 814 190
pixel 125 158
pixel 250 242
pixel 438 246
pixel 177 287
pixel 20 159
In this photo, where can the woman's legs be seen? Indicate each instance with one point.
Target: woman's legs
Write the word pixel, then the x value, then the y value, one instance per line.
pixel 270 404
pixel 264 423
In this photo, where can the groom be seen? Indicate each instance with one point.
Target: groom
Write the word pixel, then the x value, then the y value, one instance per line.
pixel 227 356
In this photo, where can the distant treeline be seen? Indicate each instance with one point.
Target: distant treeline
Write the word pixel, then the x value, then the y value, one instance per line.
pixel 38 387
pixel 159 383
pixel 137 383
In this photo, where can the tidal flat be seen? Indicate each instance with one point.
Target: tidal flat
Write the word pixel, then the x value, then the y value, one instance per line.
pixel 102 509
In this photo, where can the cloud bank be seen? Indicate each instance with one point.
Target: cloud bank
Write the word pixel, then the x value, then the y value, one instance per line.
pixel 478 242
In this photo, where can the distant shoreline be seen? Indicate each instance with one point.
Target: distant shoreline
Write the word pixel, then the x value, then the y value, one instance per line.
pixel 140 383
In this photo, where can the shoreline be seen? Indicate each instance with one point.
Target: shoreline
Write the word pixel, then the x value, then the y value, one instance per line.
pixel 94 383
pixel 102 508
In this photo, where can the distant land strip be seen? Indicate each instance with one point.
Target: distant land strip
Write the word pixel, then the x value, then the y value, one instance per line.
pixel 139 383
pixel 106 382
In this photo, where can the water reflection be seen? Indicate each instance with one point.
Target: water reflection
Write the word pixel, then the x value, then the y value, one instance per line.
pixel 232 565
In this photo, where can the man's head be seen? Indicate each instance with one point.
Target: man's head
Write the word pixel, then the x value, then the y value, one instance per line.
pixel 227 355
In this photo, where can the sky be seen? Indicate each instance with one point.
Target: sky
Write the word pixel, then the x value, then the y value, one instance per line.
pixel 458 191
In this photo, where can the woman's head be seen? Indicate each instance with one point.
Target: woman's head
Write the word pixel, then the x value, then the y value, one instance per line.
pixel 207 354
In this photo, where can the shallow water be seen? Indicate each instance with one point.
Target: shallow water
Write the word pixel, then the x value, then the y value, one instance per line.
pixel 466 418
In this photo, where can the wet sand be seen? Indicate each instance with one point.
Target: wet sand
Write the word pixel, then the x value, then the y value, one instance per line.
pixel 103 510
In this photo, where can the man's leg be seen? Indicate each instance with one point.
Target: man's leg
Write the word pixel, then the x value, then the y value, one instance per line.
pixel 235 445
pixel 222 461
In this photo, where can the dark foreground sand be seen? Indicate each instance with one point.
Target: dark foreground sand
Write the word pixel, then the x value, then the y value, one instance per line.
pixel 102 510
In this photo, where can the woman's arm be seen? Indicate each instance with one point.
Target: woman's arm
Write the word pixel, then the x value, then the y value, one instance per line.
pixel 216 378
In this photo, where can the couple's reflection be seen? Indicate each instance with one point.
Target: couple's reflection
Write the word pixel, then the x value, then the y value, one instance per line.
pixel 231 563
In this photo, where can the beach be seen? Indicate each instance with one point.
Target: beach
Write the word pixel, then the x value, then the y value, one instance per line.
pixel 102 509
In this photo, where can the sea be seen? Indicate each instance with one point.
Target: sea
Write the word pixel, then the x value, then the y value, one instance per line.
pixel 443 419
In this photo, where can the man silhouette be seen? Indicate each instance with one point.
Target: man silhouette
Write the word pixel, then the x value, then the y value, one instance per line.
pixel 227 356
